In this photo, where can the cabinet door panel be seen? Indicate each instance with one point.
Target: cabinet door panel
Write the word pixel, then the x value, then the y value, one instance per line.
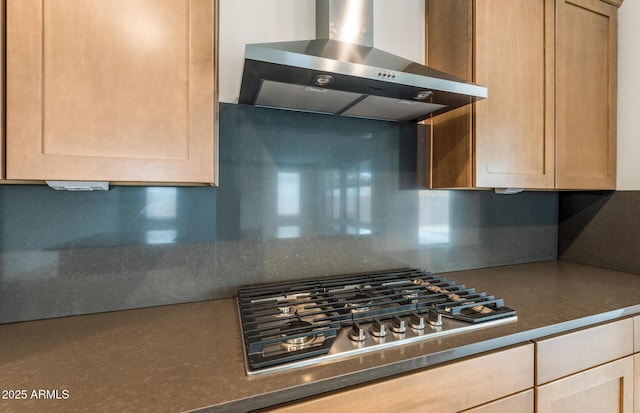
pixel 134 92
pixel 514 126
pixel 604 389
pixel 119 90
pixel 586 94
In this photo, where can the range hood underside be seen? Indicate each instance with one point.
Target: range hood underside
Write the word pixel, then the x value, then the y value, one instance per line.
pixel 314 99
pixel 366 82
pixel 293 89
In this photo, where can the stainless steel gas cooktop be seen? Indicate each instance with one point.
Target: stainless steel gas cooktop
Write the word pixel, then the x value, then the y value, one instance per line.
pixel 294 324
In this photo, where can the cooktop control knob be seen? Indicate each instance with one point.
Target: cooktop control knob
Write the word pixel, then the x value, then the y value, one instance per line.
pixel 378 328
pixel 398 325
pixel 417 321
pixel 435 318
pixel 357 333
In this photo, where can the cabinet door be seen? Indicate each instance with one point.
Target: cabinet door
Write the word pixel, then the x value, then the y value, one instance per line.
pixel 118 90
pixel 506 140
pixel 586 73
pixel 514 126
pixel 604 389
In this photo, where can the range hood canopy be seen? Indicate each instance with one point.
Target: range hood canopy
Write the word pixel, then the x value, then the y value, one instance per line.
pixel 341 73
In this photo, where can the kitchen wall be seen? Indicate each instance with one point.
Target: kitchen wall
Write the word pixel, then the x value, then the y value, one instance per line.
pixel 300 195
pixel 601 228
pixel 628 91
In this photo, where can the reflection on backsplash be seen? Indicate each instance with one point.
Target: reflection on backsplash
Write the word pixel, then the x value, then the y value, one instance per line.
pixel 161 210
pixel 300 195
pixel 434 226
pixel 346 200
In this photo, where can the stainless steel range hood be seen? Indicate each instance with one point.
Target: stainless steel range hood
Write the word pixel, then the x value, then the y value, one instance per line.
pixel 341 73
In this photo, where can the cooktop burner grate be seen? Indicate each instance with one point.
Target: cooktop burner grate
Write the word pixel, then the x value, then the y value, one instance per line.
pixel 292 321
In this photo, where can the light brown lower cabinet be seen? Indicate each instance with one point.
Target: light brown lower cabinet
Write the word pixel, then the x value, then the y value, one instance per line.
pixel 593 369
pixel 453 387
pixel 603 389
pixel 588 370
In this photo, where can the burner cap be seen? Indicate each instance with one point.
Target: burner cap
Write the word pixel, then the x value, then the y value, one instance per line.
pixel 355 303
pixel 285 308
pixel 410 295
pixel 297 324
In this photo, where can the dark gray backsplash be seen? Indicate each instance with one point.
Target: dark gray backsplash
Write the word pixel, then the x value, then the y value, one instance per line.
pixel 300 195
pixel 601 229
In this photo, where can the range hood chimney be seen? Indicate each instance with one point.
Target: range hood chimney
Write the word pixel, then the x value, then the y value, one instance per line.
pixel 341 73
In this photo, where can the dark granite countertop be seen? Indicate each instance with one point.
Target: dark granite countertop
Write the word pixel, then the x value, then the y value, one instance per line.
pixel 189 356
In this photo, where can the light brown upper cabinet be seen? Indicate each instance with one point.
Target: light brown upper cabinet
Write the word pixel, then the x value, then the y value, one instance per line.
pixel 543 63
pixel 118 90
pixel 507 139
pixel 2 90
pixel 586 93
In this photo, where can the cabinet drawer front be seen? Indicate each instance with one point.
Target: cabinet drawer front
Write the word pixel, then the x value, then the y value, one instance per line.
pixel 566 354
pixel 521 403
pixel 607 388
pixel 449 388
